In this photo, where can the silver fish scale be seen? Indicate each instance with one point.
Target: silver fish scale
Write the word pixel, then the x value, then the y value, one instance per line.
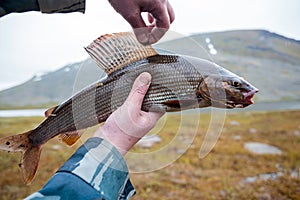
pixel 173 78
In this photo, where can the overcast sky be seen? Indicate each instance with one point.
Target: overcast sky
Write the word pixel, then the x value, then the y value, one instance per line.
pixel 32 42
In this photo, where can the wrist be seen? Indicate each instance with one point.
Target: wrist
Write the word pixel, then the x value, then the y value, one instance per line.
pixel 113 134
pixel 11 6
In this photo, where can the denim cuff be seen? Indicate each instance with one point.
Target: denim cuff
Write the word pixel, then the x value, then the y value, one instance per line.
pixel 102 166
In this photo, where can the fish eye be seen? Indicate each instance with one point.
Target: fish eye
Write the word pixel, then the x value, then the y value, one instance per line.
pixel 235 84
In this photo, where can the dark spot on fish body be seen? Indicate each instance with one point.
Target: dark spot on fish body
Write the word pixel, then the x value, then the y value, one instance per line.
pixel 20 164
pixel 7 143
pixel 22 146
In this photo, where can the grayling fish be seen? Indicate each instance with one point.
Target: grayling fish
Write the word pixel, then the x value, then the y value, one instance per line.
pixel 178 83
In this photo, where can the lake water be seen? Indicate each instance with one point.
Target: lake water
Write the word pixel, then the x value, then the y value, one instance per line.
pixel 22 113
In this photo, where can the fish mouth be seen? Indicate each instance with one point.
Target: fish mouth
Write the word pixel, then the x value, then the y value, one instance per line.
pixel 248 97
pixel 247 100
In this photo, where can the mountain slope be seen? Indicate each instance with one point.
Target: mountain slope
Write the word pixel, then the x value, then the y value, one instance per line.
pixel 53 87
pixel 270 61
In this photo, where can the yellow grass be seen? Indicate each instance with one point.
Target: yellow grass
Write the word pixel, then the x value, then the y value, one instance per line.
pixel 220 175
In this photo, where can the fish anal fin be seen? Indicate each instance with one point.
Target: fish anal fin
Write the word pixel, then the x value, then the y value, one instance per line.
pixel 114 51
pixel 29 163
pixel 70 138
pixel 50 111
pixel 30 154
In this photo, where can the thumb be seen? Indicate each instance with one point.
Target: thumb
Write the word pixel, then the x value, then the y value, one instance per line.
pixel 139 88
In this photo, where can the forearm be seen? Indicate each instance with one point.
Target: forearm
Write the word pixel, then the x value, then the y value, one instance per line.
pixel 10 6
pixel 45 6
pixel 61 6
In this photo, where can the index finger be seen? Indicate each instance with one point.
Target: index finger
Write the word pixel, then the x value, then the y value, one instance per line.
pixel 163 16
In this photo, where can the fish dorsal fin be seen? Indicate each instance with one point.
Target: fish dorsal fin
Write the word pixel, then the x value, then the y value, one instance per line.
pixel 114 51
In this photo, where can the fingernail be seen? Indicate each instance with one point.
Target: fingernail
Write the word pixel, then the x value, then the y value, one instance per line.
pixel 143 39
pixel 145 78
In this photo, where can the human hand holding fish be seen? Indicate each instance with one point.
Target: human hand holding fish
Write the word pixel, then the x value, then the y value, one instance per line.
pixel 128 124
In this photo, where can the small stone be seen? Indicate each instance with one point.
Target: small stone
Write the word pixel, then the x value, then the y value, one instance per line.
pixel 278 166
pixel 294 174
pixel 148 141
pixel 296 133
pixel 261 148
pixel 252 130
pixel 234 123
pixel 272 176
pixel 237 137
pixel 264 196
pixel 250 179
pixel 223 193
pixel 180 151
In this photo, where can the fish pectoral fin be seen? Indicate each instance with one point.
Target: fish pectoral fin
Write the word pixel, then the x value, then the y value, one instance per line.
pixel 50 111
pixel 172 103
pixel 114 51
pixel 181 104
pixel 30 154
pixel 71 138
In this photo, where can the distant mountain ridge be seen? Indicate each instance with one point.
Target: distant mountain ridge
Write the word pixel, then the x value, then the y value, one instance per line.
pixel 52 87
pixel 268 60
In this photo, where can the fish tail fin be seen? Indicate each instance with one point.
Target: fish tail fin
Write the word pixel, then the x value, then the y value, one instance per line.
pixel 30 154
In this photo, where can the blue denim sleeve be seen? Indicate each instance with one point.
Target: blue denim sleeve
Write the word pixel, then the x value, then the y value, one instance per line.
pixel 96 171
